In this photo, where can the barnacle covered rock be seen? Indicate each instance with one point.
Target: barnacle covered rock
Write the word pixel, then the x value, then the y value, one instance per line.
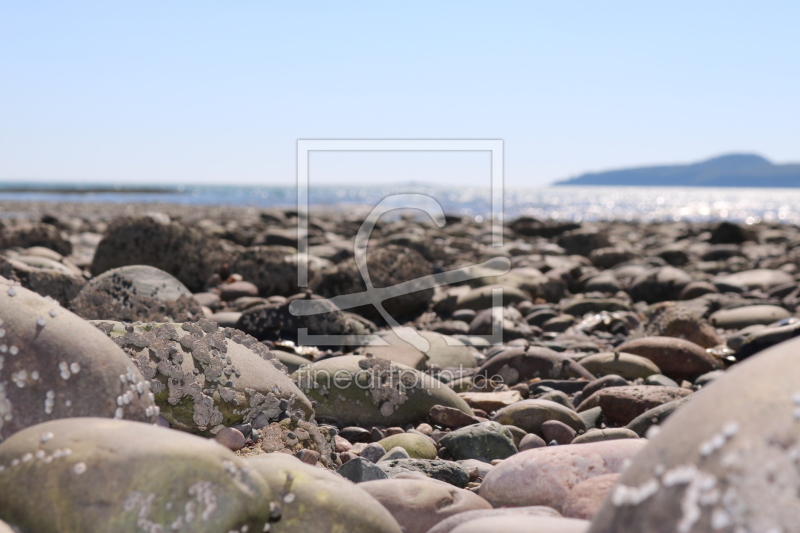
pixel 293 435
pixel 357 390
pixel 273 269
pixel 136 293
pixel 183 251
pixel 388 265
pixel 54 365
pixel 279 322
pixel 91 475
pixel 204 376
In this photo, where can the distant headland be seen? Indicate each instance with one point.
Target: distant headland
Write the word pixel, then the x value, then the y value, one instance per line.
pixel 734 170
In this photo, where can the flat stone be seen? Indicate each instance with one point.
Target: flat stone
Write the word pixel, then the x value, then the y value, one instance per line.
pixel 622 404
pixel 529 415
pixel 359 470
pixel 585 498
pixel 750 315
pixel 677 358
pixel 447 525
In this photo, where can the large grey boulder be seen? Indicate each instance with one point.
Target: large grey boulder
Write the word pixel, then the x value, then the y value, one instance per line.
pixel 725 461
pixel 54 364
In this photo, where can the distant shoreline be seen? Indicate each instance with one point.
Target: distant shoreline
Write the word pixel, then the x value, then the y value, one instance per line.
pixel 86 190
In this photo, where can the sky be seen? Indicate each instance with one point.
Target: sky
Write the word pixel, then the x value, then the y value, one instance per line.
pixel 219 93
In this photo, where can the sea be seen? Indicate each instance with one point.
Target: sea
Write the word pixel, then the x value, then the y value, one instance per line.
pixel 574 203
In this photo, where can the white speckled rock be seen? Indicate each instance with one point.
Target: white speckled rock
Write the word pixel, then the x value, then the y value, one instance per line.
pixel 94 475
pixel 54 364
pixel 725 461
pixel 545 476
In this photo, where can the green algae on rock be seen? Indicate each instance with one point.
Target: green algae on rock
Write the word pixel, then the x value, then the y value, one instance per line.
pixel 357 390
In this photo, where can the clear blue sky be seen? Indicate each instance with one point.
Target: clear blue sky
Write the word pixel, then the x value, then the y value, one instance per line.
pixel 219 92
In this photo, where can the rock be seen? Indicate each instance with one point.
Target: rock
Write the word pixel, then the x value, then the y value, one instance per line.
pixel 180 250
pixel 237 289
pixel 553 430
pixel 515 523
pixel 450 417
pixel 378 393
pixel 531 441
pixel 398 452
pixel 520 364
pixel 443 351
pixel 597 435
pixel 609 380
pixel 43 276
pixel 447 471
pixel 591 417
pixel 278 322
pixel 227 319
pixel 585 498
pixel 725 460
pixel 5 528
pixel 487 440
pixel 273 269
pixel 765 338
pixel 417 446
pixel 583 241
pixel 388 266
pixel 680 322
pixel 622 404
pixel 763 279
pixel 730 233
pixel 308 456
pixel 619 363
pixel 660 380
pixel 741 317
pixel 203 376
pixel 30 235
pixel 583 306
pixel 230 438
pixel 320 501
pixel 208 299
pixel 659 285
pixel 55 365
pixel 697 289
pixel 545 476
pixel 677 358
pixel 373 452
pixel 491 401
pixel 355 434
pixel 359 470
pixel 447 525
pixel 654 416
pixel 121 476
pixel 481 298
pixel 419 504
pixel 136 293
pixel 531 414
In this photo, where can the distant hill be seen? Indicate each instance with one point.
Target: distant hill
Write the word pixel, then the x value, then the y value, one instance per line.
pixel 735 170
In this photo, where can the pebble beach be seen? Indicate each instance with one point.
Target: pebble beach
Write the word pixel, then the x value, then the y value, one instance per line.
pixel 630 376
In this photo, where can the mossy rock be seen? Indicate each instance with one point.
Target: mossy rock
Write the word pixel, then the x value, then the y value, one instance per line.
pixel 92 475
pixel 417 446
pixel 204 376
pixel 315 499
pixel 366 391
pixel 54 364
